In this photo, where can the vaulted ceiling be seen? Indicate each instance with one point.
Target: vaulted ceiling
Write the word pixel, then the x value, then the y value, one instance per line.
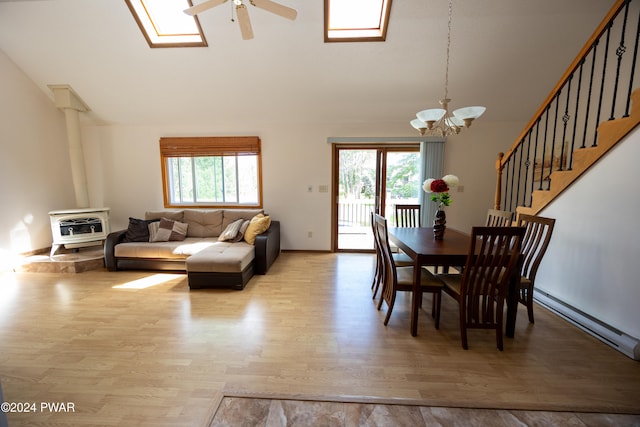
pixel 505 54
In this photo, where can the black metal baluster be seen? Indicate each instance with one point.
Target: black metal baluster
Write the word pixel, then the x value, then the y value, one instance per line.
pixel 593 67
pixel 619 52
pixel 544 145
pixel 575 121
pixel 604 75
pixel 535 157
pixel 510 180
pixel 527 165
pixel 633 68
pixel 565 119
pixel 553 138
pixel 519 173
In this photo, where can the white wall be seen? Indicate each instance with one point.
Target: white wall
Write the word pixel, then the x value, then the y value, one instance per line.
pixel 591 261
pixel 124 170
pixel 35 175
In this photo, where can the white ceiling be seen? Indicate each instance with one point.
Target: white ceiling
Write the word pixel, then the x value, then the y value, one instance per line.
pixel 505 54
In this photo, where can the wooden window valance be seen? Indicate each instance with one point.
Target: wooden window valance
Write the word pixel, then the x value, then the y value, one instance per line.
pixel 209 146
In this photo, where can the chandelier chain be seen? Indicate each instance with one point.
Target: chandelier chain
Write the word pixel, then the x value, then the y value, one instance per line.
pixel 439 121
pixel 446 74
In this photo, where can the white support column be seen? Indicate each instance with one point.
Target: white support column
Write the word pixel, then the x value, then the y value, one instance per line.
pixel 69 102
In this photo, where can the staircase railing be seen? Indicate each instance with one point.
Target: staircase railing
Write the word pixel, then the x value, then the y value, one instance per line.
pixel 597 86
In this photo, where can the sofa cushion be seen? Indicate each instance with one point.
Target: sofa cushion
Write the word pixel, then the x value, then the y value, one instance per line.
pixel 167 230
pixel 168 250
pixel 232 215
pixel 222 257
pixel 174 215
pixel 203 223
pixel 258 225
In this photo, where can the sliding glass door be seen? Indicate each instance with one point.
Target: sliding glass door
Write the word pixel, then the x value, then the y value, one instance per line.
pixel 370 178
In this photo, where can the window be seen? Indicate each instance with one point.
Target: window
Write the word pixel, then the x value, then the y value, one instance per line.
pixel 164 23
pixel 211 171
pixel 356 20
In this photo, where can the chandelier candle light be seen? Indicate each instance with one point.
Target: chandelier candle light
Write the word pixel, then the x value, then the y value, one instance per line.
pixel 439 190
pixel 438 121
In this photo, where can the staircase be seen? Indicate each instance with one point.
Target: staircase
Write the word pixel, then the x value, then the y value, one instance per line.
pixel 568 134
pixel 610 133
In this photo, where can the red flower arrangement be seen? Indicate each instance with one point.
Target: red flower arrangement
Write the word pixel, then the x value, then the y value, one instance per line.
pixel 441 189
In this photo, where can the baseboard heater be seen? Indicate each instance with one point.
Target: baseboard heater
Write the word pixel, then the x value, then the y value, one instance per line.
pixel 617 339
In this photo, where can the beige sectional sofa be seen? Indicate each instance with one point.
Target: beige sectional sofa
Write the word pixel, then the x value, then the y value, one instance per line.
pixel 190 240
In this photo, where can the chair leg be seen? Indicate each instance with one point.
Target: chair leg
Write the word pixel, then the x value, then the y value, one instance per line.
pixel 463 337
pixel 435 309
pixel 463 329
pixel 389 309
pixel 530 311
pixel 377 279
pixel 530 304
pixel 381 298
pixel 433 306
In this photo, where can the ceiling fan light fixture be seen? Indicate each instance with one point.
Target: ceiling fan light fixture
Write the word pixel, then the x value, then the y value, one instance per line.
pixel 243 14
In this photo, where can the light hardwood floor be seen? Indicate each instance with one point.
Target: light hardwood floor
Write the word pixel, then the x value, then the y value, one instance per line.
pixel 138 348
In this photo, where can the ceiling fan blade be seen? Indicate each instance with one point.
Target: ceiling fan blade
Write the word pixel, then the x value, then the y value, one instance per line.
pixel 277 8
pixel 244 21
pixel 205 5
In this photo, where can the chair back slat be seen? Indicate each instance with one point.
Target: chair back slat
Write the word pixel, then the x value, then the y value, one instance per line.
pixel 493 255
pixel 536 241
pixel 407 215
pixel 389 273
pixel 497 218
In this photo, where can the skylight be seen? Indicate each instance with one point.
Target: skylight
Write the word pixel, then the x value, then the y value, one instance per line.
pixel 356 20
pixel 164 23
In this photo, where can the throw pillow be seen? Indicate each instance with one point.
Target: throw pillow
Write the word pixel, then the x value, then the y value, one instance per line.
pixel 240 236
pixel 138 230
pixel 167 230
pixel 231 231
pixel 258 225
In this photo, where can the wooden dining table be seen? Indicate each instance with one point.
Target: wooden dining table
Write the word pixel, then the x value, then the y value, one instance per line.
pixel 452 251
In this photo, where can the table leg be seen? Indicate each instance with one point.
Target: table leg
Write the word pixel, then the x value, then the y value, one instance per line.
pixel 415 299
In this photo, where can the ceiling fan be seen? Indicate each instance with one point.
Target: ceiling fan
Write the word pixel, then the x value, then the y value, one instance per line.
pixel 243 14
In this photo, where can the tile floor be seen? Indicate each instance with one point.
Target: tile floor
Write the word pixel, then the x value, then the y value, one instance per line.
pixel 242 411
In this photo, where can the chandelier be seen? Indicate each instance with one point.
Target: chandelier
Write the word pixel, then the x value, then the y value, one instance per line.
pixel 439 121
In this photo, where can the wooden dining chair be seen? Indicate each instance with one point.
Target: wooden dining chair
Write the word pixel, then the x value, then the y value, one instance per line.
pixel 397 278
pixel 481 289
pixel 407 215
pixel 534 245
pixel 498 218
pixel 401 260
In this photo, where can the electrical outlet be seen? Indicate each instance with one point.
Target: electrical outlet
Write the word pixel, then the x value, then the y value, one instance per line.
pixel 309 188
